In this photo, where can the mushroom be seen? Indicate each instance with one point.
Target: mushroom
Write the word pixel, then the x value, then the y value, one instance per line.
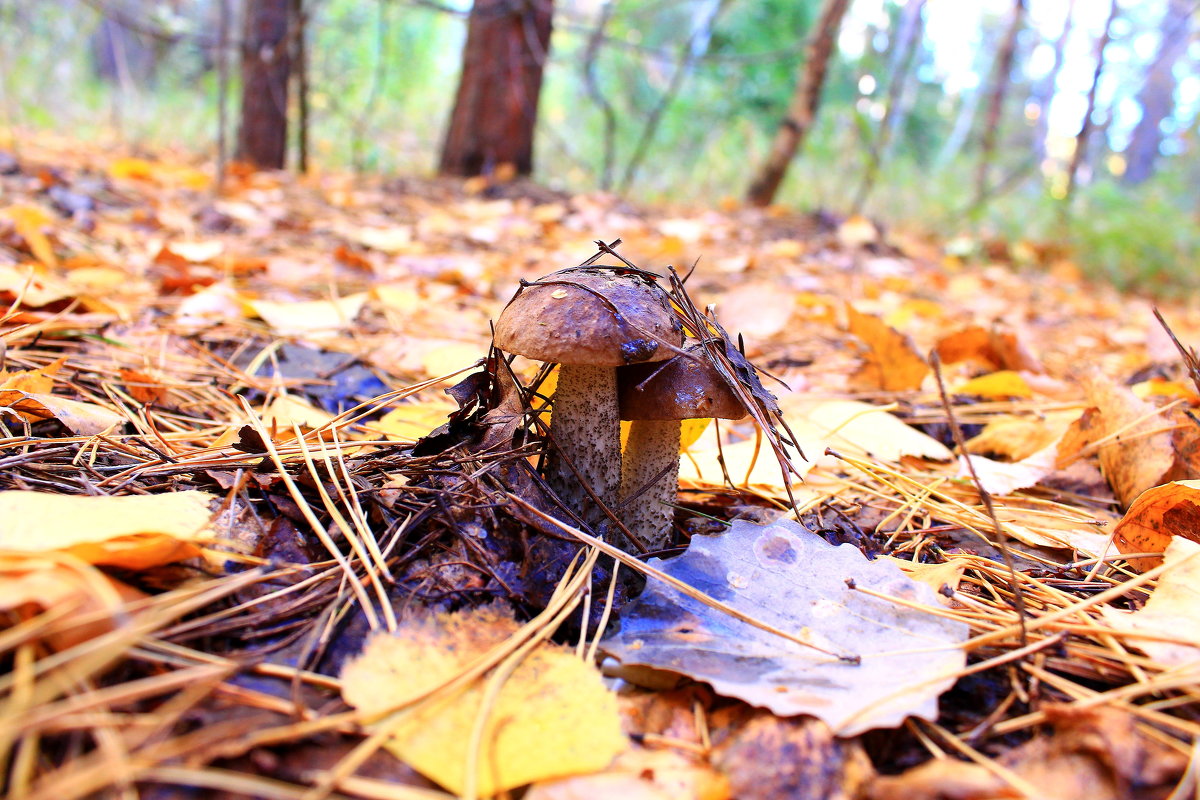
pixel 656 397
pixel 589 321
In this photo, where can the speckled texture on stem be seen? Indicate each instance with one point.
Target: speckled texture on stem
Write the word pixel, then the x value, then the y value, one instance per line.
pixel 585 425
pixel 653 447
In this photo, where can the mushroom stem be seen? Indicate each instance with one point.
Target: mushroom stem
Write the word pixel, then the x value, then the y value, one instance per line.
pixel 651 463
pixel 585 425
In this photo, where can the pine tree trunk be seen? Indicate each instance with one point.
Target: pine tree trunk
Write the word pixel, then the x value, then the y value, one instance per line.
pixel 803 111
pixel 266 64
pixel 1157 97
pixel 1043 91
pixel 495 110
pixel 1001 79
pixel 1085 128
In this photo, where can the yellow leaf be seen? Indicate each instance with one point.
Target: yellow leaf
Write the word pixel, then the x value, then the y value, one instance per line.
pixel 997 385
pixel 134 532
pixel 31 286
pixel 311 317
pixel 408 422
pixel 288 410
pixel 163 174
pixel 451 358
pixel 690 432
pixel 552 717
pixel 30 222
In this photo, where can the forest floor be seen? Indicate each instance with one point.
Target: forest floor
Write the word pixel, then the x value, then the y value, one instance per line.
pixel 234 557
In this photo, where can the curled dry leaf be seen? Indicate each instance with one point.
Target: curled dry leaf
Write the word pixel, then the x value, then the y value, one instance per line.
pixel 765 757
pixel 995 348
pixel 787 577
pixel 1155 518
pixel 1138 446
pixel 892 362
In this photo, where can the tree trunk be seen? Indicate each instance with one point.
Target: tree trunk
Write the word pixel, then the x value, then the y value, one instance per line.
pixel 803 111
pixel 1157 97
pixel 1043 91
pixel 909 31
pixel 495 110
pixel 1085 128
pixel 266 64
pixel 1001 80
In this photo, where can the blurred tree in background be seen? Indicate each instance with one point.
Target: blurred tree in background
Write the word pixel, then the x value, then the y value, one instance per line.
pixel 950 116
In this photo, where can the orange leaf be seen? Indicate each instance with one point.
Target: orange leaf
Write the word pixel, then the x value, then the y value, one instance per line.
pixel 1155 517
pixel 30 222
pixel 893 363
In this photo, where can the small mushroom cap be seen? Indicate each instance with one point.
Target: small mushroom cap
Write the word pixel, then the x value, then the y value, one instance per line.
pixel 682 388
pixel 598 317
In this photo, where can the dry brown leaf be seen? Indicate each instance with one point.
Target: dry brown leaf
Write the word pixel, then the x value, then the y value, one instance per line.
pixel 82 419
pixel 995 348
pixel 1156 517
pixel 892 362
pixel 766 757
pixel 1139 449
pixel 1019 436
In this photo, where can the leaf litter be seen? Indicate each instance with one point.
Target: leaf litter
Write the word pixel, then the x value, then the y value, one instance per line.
pixel 138 368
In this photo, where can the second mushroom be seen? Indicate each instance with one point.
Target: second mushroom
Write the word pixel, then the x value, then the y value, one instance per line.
pixel 656 398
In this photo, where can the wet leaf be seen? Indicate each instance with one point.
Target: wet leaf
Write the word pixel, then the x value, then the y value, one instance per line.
pixel 788 577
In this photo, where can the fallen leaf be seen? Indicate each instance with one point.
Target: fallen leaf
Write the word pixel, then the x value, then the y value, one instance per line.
pixel 790 578
pixel 892 362
pixel 82 419
pixel 552 717
pixel 758 310
pixel 1139 449
pixel 1156 518
pixel 994 348
pixel 31 222
pixel 640 774
pixel 31 582
pixel 135 532
pixel 1020 436
pixel 1002 477
pixel 1170 619
pixel 309 317
pixel 408 422
pixel 855 428
pixel 996 385
pixel 765 758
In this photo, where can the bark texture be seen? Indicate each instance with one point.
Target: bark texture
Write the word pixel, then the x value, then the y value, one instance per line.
pixel 495 109
pixel 266 66
pixel 1157 97
pixel 650 466
pixel 1001 80
pixel 803 110
pixel 586 429
pixel 1085 128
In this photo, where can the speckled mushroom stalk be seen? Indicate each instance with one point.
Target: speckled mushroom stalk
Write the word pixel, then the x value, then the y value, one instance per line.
pixel 585 426
pixel 589 321
pixel 656 398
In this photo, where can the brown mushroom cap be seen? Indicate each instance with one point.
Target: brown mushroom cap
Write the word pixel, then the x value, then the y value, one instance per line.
pixel 589 316
pixel 682 388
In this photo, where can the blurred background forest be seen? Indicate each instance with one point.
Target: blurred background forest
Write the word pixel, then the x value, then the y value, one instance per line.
pixel 1069 124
